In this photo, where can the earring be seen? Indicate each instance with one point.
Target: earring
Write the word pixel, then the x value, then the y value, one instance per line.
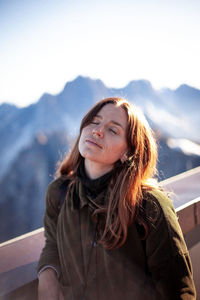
pixel 124 158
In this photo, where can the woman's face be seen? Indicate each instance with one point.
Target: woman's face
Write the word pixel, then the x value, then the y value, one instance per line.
pixel 103 141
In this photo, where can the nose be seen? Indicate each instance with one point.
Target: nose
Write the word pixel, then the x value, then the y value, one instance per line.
pixel 98 130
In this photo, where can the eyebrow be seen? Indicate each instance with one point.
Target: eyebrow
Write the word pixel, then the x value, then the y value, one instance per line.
pixel 112 121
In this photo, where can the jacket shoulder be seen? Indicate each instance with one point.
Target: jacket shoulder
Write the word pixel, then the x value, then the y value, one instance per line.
pixel 163 221
pixel 159 210
pixel 54 186
pixel 160 198
pixel 54 191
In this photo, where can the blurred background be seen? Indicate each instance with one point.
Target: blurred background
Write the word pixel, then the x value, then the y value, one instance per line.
pixel 57 58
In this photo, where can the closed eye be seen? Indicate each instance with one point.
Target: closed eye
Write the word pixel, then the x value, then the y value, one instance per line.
pixel 113 130
pixel 94 122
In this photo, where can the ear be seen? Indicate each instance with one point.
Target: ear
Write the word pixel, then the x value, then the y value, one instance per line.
pixel 124 158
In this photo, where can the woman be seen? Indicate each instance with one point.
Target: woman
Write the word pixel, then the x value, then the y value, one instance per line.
pixel 116 236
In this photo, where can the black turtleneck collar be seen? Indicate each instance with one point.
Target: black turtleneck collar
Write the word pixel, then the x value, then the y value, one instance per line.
pixel 93 186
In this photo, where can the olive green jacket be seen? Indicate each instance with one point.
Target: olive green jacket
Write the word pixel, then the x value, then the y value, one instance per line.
pixel 159 270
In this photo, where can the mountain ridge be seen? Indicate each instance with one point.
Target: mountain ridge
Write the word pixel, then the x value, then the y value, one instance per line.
pixel 35 137
pixel 65 110
pixel 182 87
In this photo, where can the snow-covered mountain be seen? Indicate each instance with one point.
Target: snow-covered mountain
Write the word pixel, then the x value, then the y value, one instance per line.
pixel 33 138
pixel 174 113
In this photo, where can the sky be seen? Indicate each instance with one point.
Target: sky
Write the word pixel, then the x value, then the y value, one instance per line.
pixel 45 43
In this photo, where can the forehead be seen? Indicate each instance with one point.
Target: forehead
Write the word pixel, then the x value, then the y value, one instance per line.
pixel 112 112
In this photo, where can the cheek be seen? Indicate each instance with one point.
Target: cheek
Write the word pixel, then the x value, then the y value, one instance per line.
pixel 82 147
pixel 118 148
pixel 80 144
pixel 84 132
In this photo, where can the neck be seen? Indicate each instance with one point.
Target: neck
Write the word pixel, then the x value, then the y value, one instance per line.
pixel 95 170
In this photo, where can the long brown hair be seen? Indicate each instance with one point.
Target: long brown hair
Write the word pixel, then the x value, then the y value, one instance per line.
pixel 130 179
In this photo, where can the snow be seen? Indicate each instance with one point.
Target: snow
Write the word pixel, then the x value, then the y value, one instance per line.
pixel 186 146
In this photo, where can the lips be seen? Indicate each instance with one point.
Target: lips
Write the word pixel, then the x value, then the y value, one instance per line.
pixel 93 142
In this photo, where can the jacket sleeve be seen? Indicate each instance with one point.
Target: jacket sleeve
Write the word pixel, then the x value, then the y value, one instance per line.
pixel 167 255
pixel 49 255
